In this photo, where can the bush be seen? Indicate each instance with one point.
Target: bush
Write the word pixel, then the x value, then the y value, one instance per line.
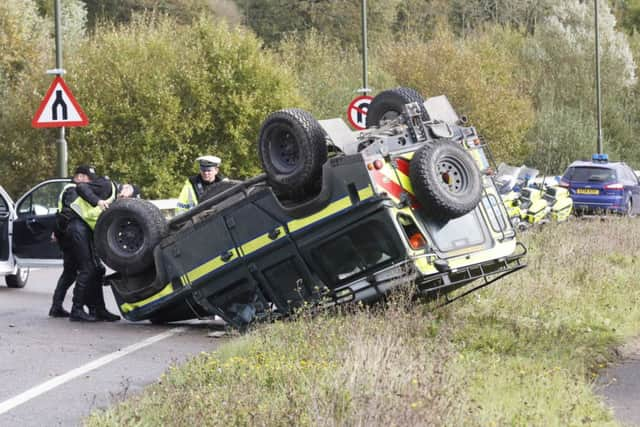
pixel 479 75
pixel 159 94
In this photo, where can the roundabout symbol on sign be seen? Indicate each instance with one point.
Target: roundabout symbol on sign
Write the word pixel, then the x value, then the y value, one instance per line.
pixel 357 112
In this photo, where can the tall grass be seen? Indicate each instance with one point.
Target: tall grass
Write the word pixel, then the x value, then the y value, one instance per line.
pixel 524 352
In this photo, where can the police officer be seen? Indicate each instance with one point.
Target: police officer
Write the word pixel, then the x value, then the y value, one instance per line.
pixel 81 205
pixel 99 193
pixel 65 241
pixel 195 186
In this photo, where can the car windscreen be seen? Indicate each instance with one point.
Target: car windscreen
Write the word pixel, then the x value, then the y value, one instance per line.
pixel 590 174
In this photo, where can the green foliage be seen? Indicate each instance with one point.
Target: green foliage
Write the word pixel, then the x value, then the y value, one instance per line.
pixel 560 135
pixel 23 41
pixel 374 369
pixel 328 73
pixel 25 52
pixel 169 93
pixel 184 11
pixel 340 19
pixel 522 352
pixel 469 15
pixel 479 75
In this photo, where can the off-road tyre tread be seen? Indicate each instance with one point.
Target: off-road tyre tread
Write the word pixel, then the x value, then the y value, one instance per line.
pixel 154 227
pixel 311 141
pixel 434 198
pixel 392 100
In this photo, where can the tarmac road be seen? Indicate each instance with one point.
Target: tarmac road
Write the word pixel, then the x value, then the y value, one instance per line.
pixel 619 384
pixel 55 372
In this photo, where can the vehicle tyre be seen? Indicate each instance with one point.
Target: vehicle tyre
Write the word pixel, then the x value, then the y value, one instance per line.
pixel 388 105
pixel 630 212
pixel 292 149
pixel 445 180
pixel 126 234
pixel 18 280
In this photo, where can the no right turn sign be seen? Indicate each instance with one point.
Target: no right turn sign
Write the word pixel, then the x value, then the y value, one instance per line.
pixel 357 112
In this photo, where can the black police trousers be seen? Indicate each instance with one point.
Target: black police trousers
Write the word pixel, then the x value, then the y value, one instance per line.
pixel 70 267
pixel 83 252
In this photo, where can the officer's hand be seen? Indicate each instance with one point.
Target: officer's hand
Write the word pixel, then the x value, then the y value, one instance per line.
pixel 103 204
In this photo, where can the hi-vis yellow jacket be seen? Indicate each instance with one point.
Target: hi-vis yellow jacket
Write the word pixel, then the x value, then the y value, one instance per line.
pixel 90 213
pixel 187 198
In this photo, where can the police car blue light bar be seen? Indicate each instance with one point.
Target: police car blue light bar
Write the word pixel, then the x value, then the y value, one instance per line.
pixel 600 158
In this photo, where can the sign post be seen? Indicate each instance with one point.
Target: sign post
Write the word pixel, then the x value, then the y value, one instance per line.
pixel 61 142
pixel 59 108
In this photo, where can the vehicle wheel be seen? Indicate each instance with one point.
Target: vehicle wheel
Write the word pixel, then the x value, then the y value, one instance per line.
pixel 292 149
pixel 630 212
pixel 388 105
pixel 445 180
pixel 126 234
pixel 18 280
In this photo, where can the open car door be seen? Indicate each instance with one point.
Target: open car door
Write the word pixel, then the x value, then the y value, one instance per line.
pixel 33 245
pixel 7 214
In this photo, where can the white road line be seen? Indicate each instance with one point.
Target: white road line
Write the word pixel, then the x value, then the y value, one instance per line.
pixel 36 391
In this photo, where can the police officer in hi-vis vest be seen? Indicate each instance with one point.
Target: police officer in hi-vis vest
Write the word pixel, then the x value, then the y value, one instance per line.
pixel 80 206
pixel 195 186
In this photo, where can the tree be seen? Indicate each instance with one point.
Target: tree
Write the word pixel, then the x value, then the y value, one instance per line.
pixel 327 72
pixel 479 75
pixel 341 19
pixel 562 68
pixel 159 94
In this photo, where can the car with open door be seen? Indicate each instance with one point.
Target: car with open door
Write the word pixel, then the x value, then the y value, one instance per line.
pixel 26 228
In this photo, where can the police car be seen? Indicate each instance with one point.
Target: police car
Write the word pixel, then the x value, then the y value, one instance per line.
pixel 601 186
pixel 25 231
pixel 338 216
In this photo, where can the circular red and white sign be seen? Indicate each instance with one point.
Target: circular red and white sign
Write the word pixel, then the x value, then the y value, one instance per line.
pixel 357 111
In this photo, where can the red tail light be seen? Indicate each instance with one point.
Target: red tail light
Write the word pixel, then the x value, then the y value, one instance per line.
pixel 616 186
pixel 417 241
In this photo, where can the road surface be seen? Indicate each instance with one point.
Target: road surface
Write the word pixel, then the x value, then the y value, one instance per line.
pixel 55 372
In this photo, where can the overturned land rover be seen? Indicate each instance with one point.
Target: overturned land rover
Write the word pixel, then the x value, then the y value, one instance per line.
pixel 337 216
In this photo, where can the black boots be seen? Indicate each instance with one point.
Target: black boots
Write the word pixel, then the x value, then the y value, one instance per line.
pixel 79 315
pixel 102 314
pixel 57 311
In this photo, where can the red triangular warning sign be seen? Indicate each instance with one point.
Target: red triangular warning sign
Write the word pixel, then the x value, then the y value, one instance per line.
pixel 59 108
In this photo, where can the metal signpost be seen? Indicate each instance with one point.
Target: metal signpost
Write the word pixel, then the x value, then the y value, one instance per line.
pixel 61 142
pixel 59 108
pixel 598 102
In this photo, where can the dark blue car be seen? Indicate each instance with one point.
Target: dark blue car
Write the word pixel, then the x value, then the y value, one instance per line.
pixel 600 186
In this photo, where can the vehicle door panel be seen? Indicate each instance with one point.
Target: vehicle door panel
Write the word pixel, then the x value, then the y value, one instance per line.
pixel 633 187
pixel 33 228
pixel 5 218
pixel 271 256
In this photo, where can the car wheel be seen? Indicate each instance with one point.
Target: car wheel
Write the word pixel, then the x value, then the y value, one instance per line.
pixel 126 234
pixel 445 180
pixel 388 105
pixel 630 212
pixel 292 147
pixel 18 280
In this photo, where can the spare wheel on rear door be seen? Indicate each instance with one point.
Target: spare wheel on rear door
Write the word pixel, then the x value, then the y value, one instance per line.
pixel 445 180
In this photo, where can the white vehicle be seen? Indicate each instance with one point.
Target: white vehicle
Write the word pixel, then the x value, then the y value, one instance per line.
pixel 25 231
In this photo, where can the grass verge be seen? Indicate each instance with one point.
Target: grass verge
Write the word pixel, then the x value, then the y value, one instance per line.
pixel 524 352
